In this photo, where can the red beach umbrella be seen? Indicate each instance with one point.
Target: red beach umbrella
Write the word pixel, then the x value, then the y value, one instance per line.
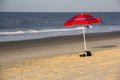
pixel 83 19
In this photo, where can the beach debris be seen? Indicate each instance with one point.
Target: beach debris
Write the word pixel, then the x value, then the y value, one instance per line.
pixel 86 54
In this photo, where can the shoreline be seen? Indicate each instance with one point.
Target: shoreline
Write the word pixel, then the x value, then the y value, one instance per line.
pixel 113 33
pixel 56 45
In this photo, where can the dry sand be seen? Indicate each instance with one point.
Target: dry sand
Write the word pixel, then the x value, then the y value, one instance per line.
pixel 103 65
pixel 25 62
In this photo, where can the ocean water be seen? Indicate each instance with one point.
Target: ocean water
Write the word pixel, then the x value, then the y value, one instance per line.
pixel 24 26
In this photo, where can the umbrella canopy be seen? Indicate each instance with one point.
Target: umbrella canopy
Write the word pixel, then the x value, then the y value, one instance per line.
pixel 82 19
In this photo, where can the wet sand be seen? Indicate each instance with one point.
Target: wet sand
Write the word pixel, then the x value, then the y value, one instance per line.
pixel 56 45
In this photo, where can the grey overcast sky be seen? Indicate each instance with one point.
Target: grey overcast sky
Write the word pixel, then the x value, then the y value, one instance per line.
pixel 59 5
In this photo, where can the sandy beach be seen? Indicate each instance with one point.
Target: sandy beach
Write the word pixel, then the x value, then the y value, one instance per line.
pixel 58 58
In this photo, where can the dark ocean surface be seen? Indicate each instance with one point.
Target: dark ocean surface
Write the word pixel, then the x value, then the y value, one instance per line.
pixel 24 26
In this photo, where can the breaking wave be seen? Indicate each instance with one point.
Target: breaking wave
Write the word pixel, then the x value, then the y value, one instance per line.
pixel 37 31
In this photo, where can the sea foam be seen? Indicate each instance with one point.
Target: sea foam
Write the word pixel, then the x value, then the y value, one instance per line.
pixel 37 31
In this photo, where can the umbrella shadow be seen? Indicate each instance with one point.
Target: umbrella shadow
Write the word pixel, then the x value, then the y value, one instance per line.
pixel 105 46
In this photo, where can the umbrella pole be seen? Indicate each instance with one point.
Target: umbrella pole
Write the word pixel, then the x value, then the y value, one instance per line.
pixel 87 53
pixel 85 47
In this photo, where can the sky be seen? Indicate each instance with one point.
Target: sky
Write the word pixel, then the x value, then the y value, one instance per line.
pixel 59 5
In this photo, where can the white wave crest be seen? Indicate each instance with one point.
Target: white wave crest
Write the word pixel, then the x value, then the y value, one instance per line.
pixel 37 31
pixel 12 33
